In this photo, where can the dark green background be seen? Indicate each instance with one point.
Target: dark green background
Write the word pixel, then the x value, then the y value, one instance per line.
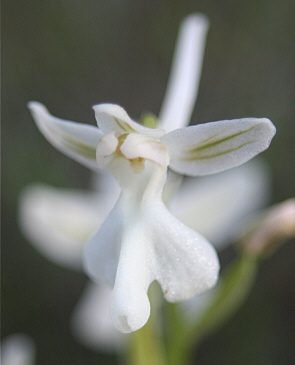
pixel 73 54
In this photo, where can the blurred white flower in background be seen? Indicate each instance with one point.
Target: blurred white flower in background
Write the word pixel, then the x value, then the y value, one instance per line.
pixel 18 349
pixel 59 222
pixel 213 205
pixel 91 321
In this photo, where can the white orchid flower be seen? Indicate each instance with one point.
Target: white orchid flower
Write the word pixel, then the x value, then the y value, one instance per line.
pixel 141 241
pixel 18 349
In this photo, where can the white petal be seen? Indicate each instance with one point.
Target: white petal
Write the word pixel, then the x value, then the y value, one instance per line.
pixel 101 255
pixel 130 307
pixel 111 117
pixel 58 222
pixel 185 263
pixel 185 76
pixel 138 145
pixel 18 349
pixel 76 140
pixel 91 321
pixel 212 147
pixel 213 205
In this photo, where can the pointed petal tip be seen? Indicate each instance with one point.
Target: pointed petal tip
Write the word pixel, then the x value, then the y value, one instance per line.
pixel 270 125
pixel 197 19
pixel 269 131
pixel 30 104
pixel 76 140
pixel 110 108
pixel 36 106
pixel 112 117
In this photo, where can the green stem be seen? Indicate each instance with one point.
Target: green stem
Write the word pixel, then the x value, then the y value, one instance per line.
pixel 147 344
pixel 175 331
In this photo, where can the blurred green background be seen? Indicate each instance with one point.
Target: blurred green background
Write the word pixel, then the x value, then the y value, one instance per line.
pixel 71 55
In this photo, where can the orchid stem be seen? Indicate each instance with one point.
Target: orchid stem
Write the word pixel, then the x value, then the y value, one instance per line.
pixel 147 344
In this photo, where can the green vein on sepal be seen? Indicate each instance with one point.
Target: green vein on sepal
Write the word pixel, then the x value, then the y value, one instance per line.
pixel 206 157
pixel 80 148
pixel 73 144
pixel 204 145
